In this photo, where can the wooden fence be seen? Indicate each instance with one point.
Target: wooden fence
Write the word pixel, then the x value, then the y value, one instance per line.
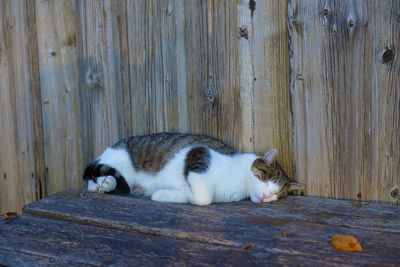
pixel 318 80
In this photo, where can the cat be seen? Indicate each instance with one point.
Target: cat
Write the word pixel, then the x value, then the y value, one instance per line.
pixel 186 168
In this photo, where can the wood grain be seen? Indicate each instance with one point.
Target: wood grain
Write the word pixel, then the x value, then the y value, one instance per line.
pixel 101 90
pixel 61 106
pixel 99 246
pixel 311 221
pixel 318 80
pixel 345 98
pixel 265 95
pixel 157 66
pixel 22 172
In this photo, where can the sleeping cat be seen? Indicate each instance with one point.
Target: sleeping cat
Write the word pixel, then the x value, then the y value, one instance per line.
pixel 185 168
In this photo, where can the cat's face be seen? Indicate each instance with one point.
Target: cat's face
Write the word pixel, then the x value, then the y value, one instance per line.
pixel 270 182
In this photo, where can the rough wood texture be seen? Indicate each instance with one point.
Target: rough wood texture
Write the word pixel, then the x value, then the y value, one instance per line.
pixel 156 42
pixel 22 172
pixel 222 229
pixel 264 53
pixel 101 63
pixel 104 247
pixel 61 106
pixel 345 89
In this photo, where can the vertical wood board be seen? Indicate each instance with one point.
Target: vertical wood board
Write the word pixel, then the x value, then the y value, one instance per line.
pixel 22 172
pixel 61 107
pixel 345 97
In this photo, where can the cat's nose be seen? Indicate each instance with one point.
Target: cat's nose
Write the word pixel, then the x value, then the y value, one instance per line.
pixel 265 196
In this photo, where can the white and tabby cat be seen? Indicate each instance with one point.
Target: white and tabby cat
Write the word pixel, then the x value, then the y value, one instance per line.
pixel 185 168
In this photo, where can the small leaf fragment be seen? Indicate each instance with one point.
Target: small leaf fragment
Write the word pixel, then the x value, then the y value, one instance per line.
pixel 248 247
pixel 7 216
pixel 346 243
pixel 286 234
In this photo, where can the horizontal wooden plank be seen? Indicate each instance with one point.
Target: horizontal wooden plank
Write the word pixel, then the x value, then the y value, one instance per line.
pixel 33 240
pixel 311 221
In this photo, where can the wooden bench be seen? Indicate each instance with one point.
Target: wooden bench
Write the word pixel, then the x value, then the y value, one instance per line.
pixel 75 229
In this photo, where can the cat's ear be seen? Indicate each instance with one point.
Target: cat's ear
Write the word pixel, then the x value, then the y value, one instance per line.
pixel 270 156
pixel 293 185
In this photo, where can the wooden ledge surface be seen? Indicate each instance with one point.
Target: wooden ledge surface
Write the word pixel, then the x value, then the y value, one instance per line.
pixel 73 228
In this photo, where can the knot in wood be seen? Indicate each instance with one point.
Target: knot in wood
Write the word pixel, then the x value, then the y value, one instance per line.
pixel 243 32
pixel 252 6
pixel 395 192
pixel 300 77
pixel 210 95
pixel 350 23
pixel 387 55
pixel 169 11
pixel 91 78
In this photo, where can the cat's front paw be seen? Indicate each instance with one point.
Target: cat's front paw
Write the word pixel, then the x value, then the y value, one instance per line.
pixel 93 187
pixel 106 184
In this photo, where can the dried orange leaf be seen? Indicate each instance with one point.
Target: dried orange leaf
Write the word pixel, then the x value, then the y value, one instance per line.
pixel 7 216
pixel 346 243
pixel 286 234
pixel 248 247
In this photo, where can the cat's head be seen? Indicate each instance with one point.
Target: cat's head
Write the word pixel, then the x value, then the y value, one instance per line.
pixel 269 181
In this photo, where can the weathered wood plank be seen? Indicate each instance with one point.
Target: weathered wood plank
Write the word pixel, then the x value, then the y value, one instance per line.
pixel 61 105
pixel 232 224
pixel 384 127
pixel 202 91
pixel 33 240
pixel 22 172
pixel 245 27
pixel 345 97
pixel 147 72
pixel 212 69
pixel 265 79
pixel 102 86
pixel 224 71
pixel 157 66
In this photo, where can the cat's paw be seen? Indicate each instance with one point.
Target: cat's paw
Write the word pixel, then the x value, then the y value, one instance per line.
pixel 106 183
pixel 93 187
